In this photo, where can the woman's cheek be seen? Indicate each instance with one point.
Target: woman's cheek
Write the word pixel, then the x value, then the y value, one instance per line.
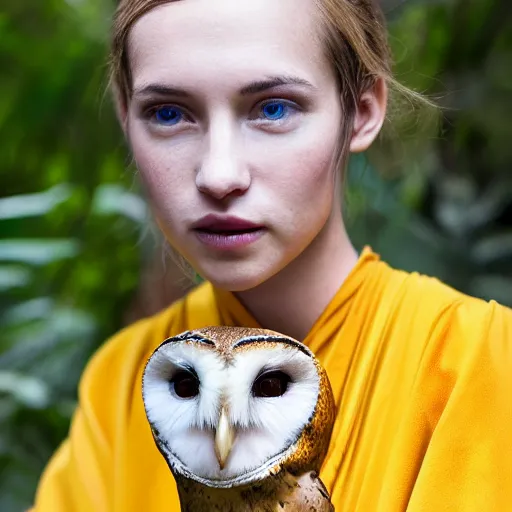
pixel 166 169
pixel 309 172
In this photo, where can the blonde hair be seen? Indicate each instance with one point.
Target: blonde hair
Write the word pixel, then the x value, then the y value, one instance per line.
pixel 127 13
pixel 354 34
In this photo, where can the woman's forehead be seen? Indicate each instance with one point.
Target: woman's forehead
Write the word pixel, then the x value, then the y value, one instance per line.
pixel 194 40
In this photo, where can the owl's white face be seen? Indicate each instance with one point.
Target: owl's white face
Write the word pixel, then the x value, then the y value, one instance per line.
pixel 267 394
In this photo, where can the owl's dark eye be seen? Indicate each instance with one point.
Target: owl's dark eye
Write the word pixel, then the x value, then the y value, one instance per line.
pixel 185 384
pixel 271 384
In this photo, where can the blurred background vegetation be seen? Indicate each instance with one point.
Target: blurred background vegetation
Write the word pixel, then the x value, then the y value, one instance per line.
pixel 78 261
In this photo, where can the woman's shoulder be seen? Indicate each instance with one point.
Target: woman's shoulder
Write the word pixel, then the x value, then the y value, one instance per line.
pixel 453 325
pixel 431 324
pixel 413 298
pixel 432 299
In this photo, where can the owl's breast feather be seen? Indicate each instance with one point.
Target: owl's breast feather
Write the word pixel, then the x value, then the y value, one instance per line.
pixel 282 492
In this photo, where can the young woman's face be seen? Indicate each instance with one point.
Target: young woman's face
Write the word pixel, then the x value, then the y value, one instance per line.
pixel 234 123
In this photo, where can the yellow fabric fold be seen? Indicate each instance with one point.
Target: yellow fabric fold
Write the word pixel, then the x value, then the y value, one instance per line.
pixel 421 376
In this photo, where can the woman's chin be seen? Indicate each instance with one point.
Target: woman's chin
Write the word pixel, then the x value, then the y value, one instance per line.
pixel 236 277
pixel 230 284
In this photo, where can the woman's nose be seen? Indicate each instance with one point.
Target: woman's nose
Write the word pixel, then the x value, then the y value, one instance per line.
pixel 222 171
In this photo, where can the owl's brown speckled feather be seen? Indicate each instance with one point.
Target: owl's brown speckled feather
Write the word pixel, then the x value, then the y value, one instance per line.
pixel 281 493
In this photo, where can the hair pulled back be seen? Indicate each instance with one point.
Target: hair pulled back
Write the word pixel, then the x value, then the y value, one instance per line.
pixel 354 32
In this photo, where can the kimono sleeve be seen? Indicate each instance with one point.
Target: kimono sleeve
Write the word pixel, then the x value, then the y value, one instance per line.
pixel 467 465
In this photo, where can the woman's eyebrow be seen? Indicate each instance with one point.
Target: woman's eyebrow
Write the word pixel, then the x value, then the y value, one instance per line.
pixel 160 90
pixel 251 88
pixel 274 81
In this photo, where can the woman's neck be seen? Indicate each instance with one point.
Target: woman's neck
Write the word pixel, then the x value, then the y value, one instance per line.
pixel 291 301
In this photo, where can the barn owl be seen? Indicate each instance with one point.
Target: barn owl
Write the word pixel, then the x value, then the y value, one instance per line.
pixel 243 418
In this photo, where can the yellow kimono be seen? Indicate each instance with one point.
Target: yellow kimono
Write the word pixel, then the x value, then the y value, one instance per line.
pixel 422 377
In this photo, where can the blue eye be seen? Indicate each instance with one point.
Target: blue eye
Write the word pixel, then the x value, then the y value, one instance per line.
pixel 168 115
pixel 275 110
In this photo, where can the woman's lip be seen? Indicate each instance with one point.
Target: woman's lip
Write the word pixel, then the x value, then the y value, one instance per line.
pixel 224 224
pixel 229 241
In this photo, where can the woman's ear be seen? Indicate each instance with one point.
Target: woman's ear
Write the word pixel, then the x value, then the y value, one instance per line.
pixel 370 116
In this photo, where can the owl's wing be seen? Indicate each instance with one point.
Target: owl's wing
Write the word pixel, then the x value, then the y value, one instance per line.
pixel 304 494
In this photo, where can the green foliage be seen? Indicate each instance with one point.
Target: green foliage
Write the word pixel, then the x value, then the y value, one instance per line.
pixel 71 218
pixel 441 202
pixel 69 225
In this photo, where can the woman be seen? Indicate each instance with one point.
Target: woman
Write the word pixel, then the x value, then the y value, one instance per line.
pixel 240 116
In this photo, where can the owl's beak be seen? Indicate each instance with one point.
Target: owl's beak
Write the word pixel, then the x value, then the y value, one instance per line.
pixel 224 438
